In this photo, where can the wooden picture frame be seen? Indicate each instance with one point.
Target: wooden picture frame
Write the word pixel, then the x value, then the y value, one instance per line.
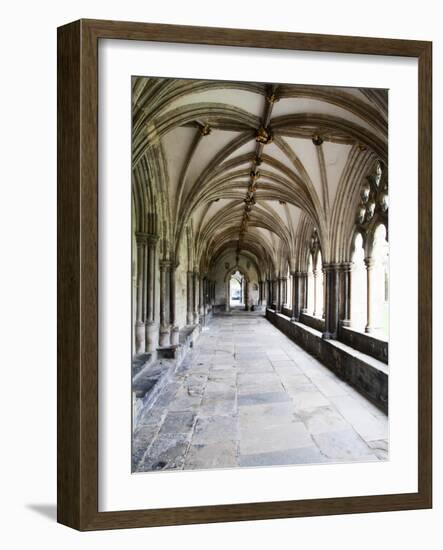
pixel 78 274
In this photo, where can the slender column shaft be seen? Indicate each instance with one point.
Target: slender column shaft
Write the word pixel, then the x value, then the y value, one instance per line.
pixel 172 297
pixel 369 262
pixel 140 257
pixel 151 331
pixel 195 280
pixel 295 306
pixel 141 283
pixel 345 294
pixel 150 310
pixel 190 299
pixel 316 285
pixel 303 291
pixel 332 298
pixel 165 280
pixel 201 299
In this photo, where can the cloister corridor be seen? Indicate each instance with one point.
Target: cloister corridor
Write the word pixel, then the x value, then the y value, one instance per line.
pixel 246 395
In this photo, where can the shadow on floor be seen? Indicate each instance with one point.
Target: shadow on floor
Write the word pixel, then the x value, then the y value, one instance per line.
pixel 49 511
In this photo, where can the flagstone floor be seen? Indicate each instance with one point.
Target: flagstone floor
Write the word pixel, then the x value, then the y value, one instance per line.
pixel 246 395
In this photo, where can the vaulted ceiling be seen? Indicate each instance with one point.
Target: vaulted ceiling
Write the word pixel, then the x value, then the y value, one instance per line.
pixel 253 167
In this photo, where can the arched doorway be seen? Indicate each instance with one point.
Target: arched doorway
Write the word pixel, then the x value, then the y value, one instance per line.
pixel 237 289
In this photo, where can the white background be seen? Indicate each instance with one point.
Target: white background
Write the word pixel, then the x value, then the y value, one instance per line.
pixel 28 277
pixel 118 489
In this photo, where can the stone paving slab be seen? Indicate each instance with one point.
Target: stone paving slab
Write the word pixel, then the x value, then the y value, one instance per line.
pixel 304 455
pixel 247 396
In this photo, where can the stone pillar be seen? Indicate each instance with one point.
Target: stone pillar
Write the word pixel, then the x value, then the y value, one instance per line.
pixel 369 262
pixel 201 299
pixel 227 292
pixel 151 326
pixel 278 294
pixel 303 291
pixel 172 307
pixel 190 299
pixel 331 283
pixel 141 282
pixel 195 293
pixel 345 294
pixel 165 280
pixel 316 274
pixel 284 298
pixel 246 283
pixel 295 298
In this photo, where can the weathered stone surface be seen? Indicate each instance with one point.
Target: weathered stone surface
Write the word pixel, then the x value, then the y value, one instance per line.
pixel 165 453
pixel 270 438
pixel 380 448
pixel 262 398
pixel 219 455
pixel 343 445
pixel 215 429
pixel 178 423
pixel 303 455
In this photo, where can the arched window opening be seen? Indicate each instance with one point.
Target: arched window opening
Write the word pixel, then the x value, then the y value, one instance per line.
pixel 236 289
pixel 319 287
pixel 380 282
pixel 359 287
pixel 310 304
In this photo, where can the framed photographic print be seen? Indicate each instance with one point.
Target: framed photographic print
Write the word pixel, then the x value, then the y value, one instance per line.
pixel 244 275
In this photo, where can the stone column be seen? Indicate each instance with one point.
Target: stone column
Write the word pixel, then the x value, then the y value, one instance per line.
pixel 195 292
pixel 295 298
pixel 227 292
pixel 278 294
pixel 151 326
pixel 201 299
pixel 246 283
pixel 315 274
pixel 369 262
pixel 190 299
pixel 172 307
pixel 332 279
pixel 345 294
pixel 165 281
pixel 141 282
pixel 303 291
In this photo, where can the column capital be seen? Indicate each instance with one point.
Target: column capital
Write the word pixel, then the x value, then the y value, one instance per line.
pixel 369 263
pixel 141 238
pixel 346 266
pixel 152 239
pixel 165 265
pixel 331 266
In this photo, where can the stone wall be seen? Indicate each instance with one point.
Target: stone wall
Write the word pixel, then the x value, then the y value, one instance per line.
pixel 365 343
pixel 366 374
pixel 181 286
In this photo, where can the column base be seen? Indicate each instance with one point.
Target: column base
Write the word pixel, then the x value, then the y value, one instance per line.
pixel 151 335
pixel 139 337
pixel 164 337
pixel 189 318
pixel 346 323
pixel 174 336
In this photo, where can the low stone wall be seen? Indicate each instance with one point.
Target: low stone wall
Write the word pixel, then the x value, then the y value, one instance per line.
pixel 148 381
pixel 365 343
pixel 313 322
pixel 366 374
